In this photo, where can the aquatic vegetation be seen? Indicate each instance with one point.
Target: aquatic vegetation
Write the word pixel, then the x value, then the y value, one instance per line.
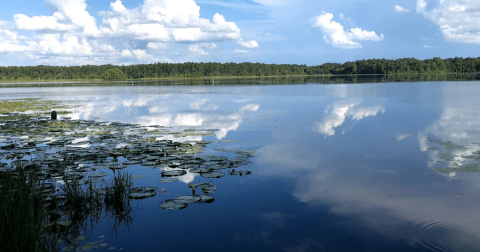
pixel 471 163
pixel 58 171
pixel 447 145
pixel 22 213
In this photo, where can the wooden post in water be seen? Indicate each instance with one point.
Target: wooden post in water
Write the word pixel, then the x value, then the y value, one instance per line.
pixel 54 115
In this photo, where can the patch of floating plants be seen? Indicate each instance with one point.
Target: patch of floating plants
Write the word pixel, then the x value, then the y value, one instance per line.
pixel 446 153
pixel 71 158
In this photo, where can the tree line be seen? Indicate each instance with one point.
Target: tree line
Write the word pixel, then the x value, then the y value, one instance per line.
pixel 201 70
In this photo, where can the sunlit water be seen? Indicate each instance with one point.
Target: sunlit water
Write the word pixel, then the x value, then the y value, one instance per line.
pixel 338 167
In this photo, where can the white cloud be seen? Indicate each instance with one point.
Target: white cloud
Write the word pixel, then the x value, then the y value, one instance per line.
pixel 127 53
pixel 335 34
pixel 200 48
pixel 57 44
pixel 71 31
pixel 168 20
pixel 24 22
pixel 140 54
pixel 248 44
pixel 197 49
pixel 72 14
pixel 156 45
pixel 336 117
pixel 399 8
pixel 359 34
pixel 421 5
pixel 457 19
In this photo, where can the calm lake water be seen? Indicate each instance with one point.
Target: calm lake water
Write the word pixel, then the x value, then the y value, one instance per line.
pixel 344 167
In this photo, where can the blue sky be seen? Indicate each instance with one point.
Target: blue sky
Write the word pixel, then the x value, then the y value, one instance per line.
pixel 311 32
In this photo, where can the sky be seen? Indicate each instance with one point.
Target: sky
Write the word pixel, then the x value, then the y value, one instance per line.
pixel 311 32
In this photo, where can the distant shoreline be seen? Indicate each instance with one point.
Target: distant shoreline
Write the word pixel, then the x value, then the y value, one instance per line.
pixel 201 71
pixel 255 80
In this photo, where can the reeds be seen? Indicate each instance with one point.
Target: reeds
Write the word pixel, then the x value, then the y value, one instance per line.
pixel 22 212
pixel 29 221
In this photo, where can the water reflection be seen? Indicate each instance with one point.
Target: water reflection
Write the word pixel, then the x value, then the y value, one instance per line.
pixel 378 181
pixel 339 111
pixel 452 142
pixel 177 111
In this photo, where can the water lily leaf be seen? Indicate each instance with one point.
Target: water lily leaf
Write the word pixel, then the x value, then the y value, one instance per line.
pixel 206 199
pixel 213 174
pixel 187 199
pixel 142 192
pixel 200 170
pixel 171 205
pixel 173 173
pixel 239 173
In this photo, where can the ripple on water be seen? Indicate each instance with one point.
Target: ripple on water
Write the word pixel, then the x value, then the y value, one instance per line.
pixel 443 237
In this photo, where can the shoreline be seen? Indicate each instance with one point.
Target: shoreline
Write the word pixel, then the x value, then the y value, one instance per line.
pixel 100 82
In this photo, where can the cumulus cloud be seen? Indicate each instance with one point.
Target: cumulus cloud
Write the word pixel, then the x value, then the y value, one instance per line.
pixel 71 31
pixel 168 20
pixel 336 117
pixel 127 53
pixel 335 34
pixel 156 45
pixel 201 48
pixel 69 14
pixel 399 8
pixel 457 19
pixel 248 44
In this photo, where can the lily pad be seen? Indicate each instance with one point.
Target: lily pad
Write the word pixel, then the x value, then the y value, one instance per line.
pixel 173 173
pixel 206 199
pixel 200 170
pixel 187 199
pixel 142 192
pixel 213 174
pixel 171 205
pixel 239 173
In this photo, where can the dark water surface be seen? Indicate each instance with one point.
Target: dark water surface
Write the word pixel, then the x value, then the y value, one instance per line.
pixel 364 167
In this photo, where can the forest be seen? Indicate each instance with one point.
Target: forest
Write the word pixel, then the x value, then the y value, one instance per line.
pixel 208 70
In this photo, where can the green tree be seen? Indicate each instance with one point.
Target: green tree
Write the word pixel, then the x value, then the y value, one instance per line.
pixel 114 74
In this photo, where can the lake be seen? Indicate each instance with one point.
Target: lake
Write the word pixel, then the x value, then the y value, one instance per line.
pixel 337 167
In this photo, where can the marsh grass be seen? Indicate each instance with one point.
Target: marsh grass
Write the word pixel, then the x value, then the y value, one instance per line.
pixel 30 222
pixel 22 212
pixel 117 202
